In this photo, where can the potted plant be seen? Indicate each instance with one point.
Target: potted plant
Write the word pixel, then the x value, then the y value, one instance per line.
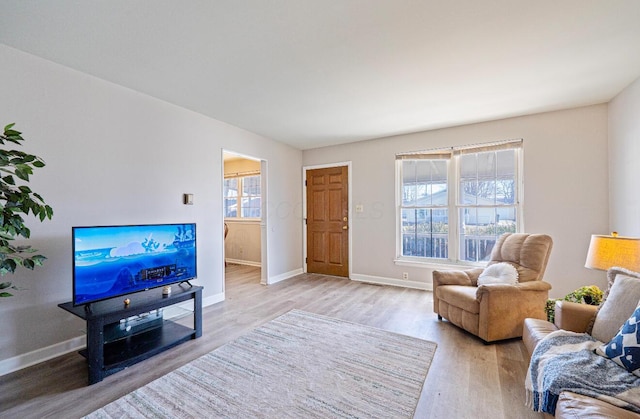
pixel 16 200
pixel 590 294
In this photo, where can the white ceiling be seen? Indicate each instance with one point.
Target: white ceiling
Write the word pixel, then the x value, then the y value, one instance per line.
pixel 319 72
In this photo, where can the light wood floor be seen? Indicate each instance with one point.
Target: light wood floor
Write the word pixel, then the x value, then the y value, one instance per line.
pixel 467 379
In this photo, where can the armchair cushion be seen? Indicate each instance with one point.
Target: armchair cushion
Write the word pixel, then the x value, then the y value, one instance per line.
pixel 460 296
pixel 529 253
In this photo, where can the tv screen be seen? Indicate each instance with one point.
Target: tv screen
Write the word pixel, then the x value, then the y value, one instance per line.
pixel 110 261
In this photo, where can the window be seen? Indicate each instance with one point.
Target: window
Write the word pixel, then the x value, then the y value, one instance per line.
pixel 425 208
pixel 455 203
pixel 242 197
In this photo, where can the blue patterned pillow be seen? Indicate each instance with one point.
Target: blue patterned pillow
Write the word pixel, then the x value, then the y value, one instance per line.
pixel 624 348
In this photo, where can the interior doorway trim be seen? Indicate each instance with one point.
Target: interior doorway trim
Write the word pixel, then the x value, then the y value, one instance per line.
pixel 304 210
pixel 264 216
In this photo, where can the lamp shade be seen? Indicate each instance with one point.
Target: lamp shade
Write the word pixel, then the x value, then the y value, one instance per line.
pixel 608 251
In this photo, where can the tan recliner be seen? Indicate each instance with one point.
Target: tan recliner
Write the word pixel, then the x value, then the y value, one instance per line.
pixel 497 311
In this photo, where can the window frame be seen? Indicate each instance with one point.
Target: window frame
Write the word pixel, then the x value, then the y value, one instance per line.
pixel 453 186
pixel 239 198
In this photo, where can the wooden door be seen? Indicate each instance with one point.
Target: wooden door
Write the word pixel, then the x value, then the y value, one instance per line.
pixel 327 221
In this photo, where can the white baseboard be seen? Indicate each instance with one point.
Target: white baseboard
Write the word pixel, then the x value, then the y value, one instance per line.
pixel 28 359
pixel 244 262
pixel 275 279
pixel 427 286
pixel 21 361
pixel 212 299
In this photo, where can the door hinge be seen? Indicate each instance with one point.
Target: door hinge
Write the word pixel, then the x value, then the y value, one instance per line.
pixel 305 183
pixel 305 221
pixel 306 260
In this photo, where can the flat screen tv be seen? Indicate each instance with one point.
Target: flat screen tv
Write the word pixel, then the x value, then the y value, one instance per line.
pixel 111 261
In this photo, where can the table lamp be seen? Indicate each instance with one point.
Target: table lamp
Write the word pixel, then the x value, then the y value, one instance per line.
pixel 608 251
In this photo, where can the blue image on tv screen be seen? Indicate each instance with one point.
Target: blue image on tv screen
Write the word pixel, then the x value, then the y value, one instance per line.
pixel 110 261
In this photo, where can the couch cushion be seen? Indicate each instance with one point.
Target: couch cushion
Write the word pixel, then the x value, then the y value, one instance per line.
pixel 574 406
pixel 621 300
pixel 460 296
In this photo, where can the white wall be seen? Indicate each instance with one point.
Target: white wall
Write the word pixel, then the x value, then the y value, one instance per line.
pixel 624 161
pixel 565 192
pixel 115 156
pixel 242 244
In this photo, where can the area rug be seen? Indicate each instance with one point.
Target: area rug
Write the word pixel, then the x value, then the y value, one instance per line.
pixel 299 365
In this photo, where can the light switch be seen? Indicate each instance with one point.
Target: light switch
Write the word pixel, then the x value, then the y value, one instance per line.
pixel 188 199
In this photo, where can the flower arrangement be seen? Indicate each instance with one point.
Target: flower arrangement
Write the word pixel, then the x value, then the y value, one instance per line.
pixel 589 294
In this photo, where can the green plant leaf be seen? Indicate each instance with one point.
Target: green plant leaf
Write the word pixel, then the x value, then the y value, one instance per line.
pixel 38 259
pixel 6 294
pixel 9 264
pixel 16 200
pixel 21 174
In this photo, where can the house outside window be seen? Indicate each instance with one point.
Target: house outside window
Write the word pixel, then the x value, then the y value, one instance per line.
pixel 455 203
pixel 242 197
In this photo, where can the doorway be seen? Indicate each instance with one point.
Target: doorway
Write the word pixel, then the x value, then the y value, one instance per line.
pixel 244 214
pixel 327 220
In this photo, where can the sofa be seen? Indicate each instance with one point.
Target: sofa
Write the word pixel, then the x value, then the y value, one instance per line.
pixel 603 323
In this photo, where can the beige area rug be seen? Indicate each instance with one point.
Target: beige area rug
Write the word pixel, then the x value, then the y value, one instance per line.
pixel 299 365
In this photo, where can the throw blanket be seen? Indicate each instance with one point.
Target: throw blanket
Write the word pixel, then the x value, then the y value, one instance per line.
pixel 566 360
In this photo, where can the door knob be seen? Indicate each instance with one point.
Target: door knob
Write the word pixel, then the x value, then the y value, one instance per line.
pixel 345 227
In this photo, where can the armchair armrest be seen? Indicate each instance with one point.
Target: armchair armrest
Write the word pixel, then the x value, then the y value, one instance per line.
pixel 512 289
pixel 574 317
pixel 468 277
pixel 503 308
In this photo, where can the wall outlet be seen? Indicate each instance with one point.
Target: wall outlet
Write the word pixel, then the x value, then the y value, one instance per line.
pixel 405 275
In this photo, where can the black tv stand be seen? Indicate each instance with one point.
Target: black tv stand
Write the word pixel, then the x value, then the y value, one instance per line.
pixel 105 356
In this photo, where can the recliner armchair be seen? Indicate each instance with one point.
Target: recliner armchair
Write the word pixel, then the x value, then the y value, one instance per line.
pixel 497 311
